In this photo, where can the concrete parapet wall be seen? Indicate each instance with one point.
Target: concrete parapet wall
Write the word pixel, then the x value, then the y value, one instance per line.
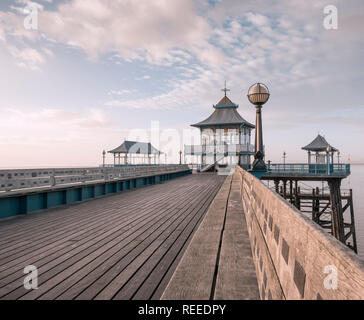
pixel 294 258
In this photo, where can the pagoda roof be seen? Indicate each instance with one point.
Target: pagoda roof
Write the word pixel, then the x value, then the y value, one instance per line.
pixel 135 147
pixel 319 144
pixel 225 114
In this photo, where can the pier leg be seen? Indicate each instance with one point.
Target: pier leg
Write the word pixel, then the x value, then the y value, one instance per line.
pixel 284 189
pixel 276 184
pixel 336 210
pixel 313 206
pixel 353 222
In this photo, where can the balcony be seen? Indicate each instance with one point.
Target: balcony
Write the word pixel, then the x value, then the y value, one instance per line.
pixel 289 169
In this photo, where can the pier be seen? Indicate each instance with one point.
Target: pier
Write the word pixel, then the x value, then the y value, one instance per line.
pixel 198 236
pixel 212 230
pixel 124 246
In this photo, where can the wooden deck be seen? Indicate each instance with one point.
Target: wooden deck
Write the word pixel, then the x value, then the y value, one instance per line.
pixel 125 246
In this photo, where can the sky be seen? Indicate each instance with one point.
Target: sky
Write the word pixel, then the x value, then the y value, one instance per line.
pixel 94 73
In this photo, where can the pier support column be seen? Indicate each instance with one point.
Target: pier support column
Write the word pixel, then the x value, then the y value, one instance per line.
pixel 276 184
pixel 336 210
pixel 284 189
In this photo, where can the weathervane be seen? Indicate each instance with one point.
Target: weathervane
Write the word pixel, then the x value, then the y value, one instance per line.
pixel 225 89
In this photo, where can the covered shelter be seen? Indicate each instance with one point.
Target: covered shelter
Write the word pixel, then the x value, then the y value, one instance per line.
pixel 225 136
pixel 133 152
pixel 321 150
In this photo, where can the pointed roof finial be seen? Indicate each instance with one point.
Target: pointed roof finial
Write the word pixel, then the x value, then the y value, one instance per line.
pixel 225 89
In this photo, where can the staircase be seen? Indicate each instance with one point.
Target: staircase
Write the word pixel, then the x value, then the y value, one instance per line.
pixel 223 169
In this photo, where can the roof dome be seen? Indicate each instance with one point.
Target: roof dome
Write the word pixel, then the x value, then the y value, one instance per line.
pixel 258 94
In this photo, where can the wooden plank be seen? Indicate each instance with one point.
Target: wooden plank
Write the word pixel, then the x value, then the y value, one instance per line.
pixel 198 264
pixel 50 218
pixel 150 275
pixel 106 218
pixel 236 278
pixel 148 232
pixel 7 266
pixel 119 250
pixel 59 267
pixel 99 213
pixel 131 262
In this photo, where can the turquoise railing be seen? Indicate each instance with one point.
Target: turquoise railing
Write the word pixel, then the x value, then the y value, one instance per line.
pixel 309 169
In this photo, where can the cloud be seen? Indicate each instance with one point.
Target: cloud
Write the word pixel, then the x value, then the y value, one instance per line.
pixel 51 117
pixel 55 137
pixel 198 45
pixel 133 29
pixel 146 77
pixel 257 19
pixel 28 57
pixel 119 92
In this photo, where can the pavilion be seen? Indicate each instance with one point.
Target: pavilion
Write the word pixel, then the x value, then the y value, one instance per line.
pixel 225 137
pixel 133 152
pixel 321 149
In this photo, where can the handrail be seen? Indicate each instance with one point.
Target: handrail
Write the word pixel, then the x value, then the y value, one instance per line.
pixel 309 169
pixel 33 178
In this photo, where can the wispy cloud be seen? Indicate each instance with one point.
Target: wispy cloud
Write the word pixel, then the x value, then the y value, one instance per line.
pixel 130 57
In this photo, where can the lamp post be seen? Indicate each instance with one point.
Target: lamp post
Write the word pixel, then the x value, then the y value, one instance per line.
pixel 258 95
pixel 284 160
pixel 328 151
pixel 338 157
pixel 103 158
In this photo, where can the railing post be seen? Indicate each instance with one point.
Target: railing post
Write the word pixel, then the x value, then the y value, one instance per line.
pixel 52 181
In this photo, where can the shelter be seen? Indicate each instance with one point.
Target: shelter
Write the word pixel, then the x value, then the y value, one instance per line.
pixel 225 136
pixel 133 152
pixel 321 149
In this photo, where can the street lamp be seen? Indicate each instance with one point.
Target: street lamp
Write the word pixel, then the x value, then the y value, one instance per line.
pixel 258 95
pixel 103 158
pixel 338 157
pixel 328 151
pixel 284 159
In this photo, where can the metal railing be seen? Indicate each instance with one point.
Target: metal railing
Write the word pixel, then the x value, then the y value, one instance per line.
pixel 218 148
pixel 309 169
pixel 35 178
